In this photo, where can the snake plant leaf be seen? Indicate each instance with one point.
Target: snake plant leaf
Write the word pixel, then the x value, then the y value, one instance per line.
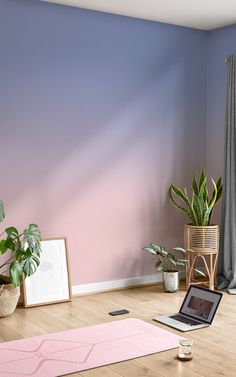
pixel 199 207
pixel 2 212
pixel 195 186
pixel 202 179
pixel 192 215
pixel 218 189
pixel 219 186
pixel 189 210
pixel 174 202
pixel 214 194
pixel 196 204
pixel 180 193
pixel 206 217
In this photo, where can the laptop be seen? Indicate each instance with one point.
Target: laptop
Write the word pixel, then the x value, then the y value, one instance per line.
pixel 197 310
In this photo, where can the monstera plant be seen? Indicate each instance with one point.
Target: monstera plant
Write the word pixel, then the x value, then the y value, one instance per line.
pixel 19 258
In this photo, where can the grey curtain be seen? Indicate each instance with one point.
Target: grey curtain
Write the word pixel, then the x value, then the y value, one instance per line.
pixel 227 263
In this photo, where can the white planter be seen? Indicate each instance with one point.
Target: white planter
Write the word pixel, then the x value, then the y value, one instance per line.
pixel 170 281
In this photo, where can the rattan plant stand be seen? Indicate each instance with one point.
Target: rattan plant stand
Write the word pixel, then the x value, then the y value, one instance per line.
pixel 202 243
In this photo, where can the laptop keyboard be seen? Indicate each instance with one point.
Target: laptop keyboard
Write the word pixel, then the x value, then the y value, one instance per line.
pixel 186 320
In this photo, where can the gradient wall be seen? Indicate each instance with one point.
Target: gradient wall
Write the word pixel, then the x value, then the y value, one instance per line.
pixel 99 114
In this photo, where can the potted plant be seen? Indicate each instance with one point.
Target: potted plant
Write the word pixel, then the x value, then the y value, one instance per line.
pixel 19 258
pixel 199 234
pixel 169 264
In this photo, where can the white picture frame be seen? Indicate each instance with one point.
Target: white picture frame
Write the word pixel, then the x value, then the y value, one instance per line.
pixel 50 284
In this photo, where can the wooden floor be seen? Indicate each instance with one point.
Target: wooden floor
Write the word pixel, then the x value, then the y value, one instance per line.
pixel 214 347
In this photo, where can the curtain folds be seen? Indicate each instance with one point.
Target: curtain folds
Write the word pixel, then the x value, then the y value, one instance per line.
pixel 227 263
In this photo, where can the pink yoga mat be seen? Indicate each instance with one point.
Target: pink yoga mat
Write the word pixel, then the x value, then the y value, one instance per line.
pixel 84 348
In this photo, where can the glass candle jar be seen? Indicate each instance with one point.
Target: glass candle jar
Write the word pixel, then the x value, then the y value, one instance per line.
pixel 185 349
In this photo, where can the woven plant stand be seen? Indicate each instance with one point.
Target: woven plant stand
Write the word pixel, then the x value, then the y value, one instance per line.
pixel 202 243
pixel 9 297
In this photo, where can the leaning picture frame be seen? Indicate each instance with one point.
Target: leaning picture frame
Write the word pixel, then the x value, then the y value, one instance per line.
pixel 50 284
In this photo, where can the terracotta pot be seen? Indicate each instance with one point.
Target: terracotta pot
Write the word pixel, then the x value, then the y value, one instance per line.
pixel 9 297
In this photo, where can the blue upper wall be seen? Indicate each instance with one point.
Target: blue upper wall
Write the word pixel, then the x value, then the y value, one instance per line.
pixel 99 114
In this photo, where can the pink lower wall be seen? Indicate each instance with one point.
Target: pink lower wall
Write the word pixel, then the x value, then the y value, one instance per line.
pixel 99 114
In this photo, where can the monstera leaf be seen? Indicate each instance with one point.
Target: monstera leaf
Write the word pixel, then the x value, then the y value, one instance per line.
pixel 25 251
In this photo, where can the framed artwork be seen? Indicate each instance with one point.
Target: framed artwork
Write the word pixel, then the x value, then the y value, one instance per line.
pixel 51 282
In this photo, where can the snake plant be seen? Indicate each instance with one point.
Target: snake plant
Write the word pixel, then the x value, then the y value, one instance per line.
pixel 24 251
pixel 200 205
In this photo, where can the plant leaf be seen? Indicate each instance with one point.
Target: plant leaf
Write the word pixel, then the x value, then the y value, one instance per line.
pixel 12 232
pixel 172 261
pixel 29 262
pixel 16 273
pixel 180 249
pixel 171 189
pixel 3 247
pixel 150 250
pixel 202 179
pixel 32 238
pixel 179 263
pixel 156 247
pixel 200 272
pixel 10 243
pixel 2 212
pixel 195 186
pixel 160 249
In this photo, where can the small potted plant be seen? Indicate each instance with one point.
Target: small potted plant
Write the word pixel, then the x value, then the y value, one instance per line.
pixel 169 264
pixel 19 258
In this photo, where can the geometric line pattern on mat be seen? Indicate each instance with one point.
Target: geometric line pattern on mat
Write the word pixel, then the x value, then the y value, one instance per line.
pixel 42 357
pixel 76 350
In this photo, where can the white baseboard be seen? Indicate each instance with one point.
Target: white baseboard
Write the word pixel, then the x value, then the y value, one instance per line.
pixel 104 286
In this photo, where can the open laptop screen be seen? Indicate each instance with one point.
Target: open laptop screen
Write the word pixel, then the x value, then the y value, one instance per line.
pixel 201 303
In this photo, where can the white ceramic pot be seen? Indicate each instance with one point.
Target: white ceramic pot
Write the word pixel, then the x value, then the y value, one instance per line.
pixel 170 281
